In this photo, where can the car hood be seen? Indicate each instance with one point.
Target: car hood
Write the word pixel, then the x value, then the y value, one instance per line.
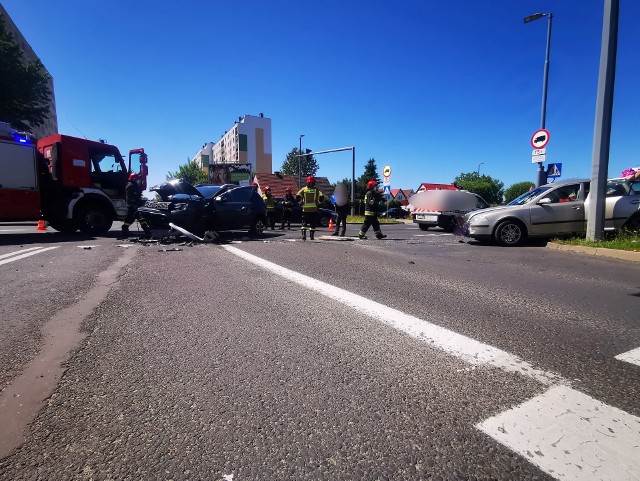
pixel 173 187
pixel 489 210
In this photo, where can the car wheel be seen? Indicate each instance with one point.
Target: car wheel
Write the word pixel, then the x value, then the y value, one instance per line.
pixel 93 219
pixel 633 225
pixel 257 227
pixel 510 233
pixel 423 226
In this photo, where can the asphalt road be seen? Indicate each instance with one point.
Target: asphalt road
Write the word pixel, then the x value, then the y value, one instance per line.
pixel 273 358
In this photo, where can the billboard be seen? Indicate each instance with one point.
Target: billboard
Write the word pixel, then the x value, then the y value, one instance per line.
pixel 230 174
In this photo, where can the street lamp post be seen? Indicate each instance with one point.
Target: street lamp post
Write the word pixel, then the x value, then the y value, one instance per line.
pixel 541 176
pixel 479 168
pixel 300 164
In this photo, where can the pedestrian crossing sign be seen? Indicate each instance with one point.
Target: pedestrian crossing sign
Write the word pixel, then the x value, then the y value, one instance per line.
pixel 386 190
pixel 554 170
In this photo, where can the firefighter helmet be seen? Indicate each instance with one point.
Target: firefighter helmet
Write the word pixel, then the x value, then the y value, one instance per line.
pixel 288 189
pixel 311 179
pixel 371 184
pixel 267 188
pixel 133 176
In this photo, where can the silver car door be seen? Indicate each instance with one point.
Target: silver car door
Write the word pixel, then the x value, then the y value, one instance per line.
pixel 621 202
pixel 562 214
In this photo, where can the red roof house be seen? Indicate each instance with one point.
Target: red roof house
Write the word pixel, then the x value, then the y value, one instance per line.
pixel 426 186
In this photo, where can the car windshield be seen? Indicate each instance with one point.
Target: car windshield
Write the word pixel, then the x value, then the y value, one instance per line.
pixel 529 196
pixel 208 191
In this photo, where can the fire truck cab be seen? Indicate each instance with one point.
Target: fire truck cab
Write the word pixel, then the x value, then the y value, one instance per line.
pixel 72 183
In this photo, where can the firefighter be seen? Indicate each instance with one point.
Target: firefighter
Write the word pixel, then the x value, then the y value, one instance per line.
pixel 371 205
pixel 133 196
pixel 288 203
pixel 310 197
pixel 270 202
pixel 342 206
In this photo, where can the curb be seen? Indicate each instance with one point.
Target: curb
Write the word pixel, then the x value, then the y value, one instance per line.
pixel 632 256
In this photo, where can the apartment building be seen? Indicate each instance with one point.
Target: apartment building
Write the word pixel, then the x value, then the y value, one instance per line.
pixel 248 141
pixel 50 125
pixel 204 156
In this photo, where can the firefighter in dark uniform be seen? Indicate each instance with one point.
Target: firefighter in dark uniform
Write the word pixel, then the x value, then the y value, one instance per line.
pixel 133 196
pixel 310 197
pixel 288 204
pixel 371 205
pixel 270 202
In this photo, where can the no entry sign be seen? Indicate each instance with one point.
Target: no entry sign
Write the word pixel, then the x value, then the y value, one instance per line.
pixel 540 139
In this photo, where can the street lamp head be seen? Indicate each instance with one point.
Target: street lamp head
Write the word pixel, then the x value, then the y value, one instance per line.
pixel 301 135
pixel 535 16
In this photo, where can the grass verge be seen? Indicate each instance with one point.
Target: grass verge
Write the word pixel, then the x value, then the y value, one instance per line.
pixel 359 219
pixel 624 241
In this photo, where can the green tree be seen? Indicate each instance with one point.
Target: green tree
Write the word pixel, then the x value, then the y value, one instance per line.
pixel 516 190
pixel 189 172
pixel 370 173
pixel 488 188
pixel 24 86
pixel 308 164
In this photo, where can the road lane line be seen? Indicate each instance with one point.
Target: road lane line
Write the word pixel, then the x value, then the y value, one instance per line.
pixel 571 436
pixel 19 252
pixel 27 254
pixel 632 356
pixel 12 230
pixel 463 347
pixel 564 432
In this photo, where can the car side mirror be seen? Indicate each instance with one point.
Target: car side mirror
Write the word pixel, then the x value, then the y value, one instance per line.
pixel 544 201
pixel 222 199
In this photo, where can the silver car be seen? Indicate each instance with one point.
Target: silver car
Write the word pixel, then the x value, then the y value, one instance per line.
pixel 556 209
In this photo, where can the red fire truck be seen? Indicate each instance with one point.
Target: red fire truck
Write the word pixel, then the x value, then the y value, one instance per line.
pixel 70 182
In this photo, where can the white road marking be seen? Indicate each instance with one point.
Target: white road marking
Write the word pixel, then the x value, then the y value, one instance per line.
pixel 632 356
pixel 19 252
pixel 12 230
pixel 571 436
pixel 463 347
pixel 27 254
pixel 564 432
pixel 429 235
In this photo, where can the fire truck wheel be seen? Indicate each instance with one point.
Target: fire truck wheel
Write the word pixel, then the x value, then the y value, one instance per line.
pixel 423 226
pixel 66 226
pixel 94 219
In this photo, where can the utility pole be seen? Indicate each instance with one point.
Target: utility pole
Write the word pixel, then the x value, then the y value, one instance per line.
pixel 602 128
pixel 300 163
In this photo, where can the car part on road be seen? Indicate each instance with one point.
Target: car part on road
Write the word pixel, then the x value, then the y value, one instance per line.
pixel 185 232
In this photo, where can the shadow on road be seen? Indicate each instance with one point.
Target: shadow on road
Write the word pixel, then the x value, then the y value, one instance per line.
pixel 49 237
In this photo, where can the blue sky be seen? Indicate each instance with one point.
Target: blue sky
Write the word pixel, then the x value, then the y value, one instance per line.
pixel 431 88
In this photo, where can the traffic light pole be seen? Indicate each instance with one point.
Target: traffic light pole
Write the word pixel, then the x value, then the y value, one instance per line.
pixel 353 169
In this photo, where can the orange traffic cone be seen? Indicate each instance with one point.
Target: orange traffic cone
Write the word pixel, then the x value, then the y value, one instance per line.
pixel 41 225
pixel 331 226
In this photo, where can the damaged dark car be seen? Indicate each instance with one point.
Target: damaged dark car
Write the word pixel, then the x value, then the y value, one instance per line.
pixel 199 209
